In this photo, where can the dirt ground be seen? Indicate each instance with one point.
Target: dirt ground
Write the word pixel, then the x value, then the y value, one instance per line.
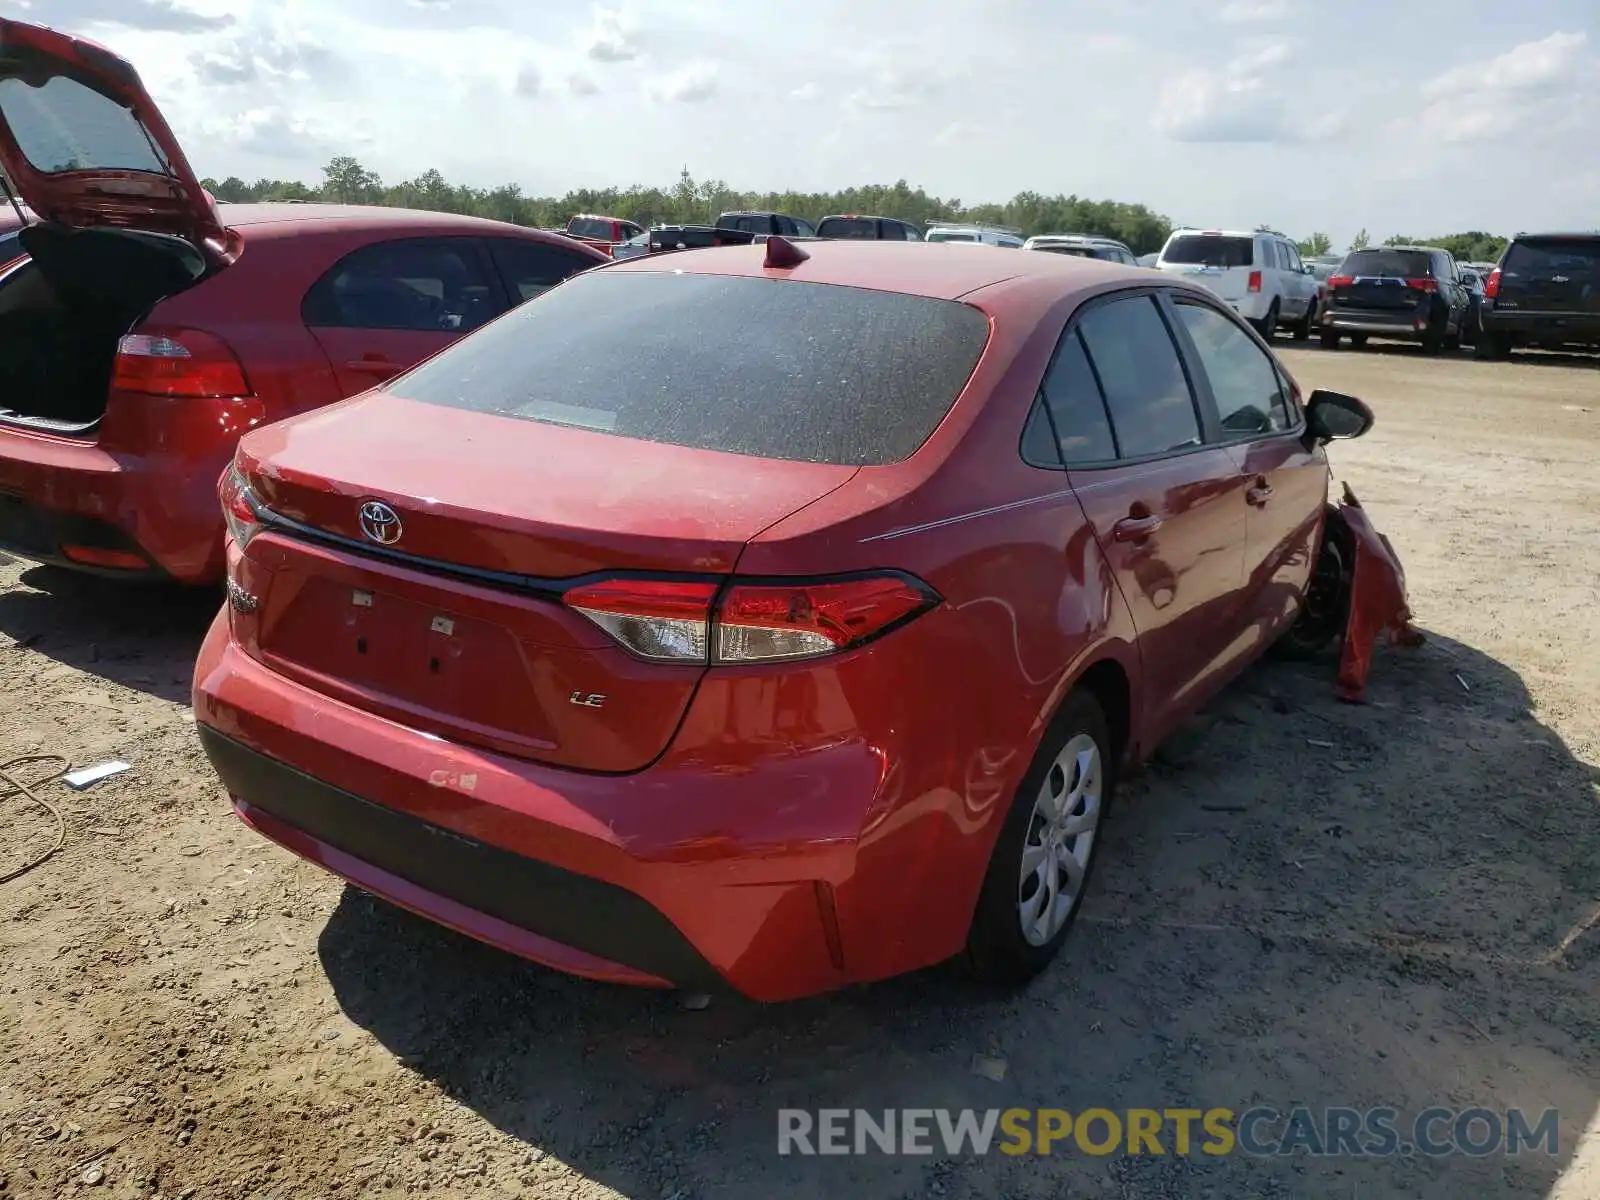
pixel 1300 902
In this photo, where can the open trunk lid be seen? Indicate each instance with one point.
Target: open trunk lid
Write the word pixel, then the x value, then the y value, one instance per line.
pixel 437 600
pixel 86 146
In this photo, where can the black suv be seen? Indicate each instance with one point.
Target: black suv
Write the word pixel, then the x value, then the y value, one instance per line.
pixel 1407 293
pixel 1544 292
pixel 870 229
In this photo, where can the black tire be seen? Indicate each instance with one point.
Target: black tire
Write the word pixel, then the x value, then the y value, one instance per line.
pixel 997 952
pixel 1493 346
pixel 1432 343
pixel 1470 332
pixel 1326 607
pixel 1330 339
pixel 1267 327
pixel 1304 326
pixel 1358 341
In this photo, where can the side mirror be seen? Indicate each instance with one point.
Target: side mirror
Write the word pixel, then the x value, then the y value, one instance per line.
pixel 1334 416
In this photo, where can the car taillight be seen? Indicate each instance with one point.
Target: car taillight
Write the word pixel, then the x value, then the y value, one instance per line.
pixel 1423 285
pixel 1255 281
pixel 666 620
pixel 239 507
pixel 1491 289
pixel 1339 281
pixel 178 362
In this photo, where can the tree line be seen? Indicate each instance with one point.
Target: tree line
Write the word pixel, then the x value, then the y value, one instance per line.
pixel 689 201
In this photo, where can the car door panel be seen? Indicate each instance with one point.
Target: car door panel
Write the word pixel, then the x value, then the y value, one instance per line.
pixel 385 307
pixel 1166 509
pixel 1285 484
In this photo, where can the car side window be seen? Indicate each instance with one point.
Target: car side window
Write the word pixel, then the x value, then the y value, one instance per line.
pixel 1243 379
pixel 532 268
pixel 804 228
pixel 1295 264
pixel 1146 392
pixel 1079 422
pixel 411 283
pixel 910 234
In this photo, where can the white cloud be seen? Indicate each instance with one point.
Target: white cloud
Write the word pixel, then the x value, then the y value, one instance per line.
pixel 1252 98
pixel 693 84
pixel 1522 90
pixel 612 38
pixel 530 81
pixel 1243 12
pixel 583 85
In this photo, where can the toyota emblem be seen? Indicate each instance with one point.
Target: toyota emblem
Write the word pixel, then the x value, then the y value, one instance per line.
pixel 380 523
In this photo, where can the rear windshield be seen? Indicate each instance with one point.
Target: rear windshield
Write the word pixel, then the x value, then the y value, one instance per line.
pixel 1574 257
pixel 850 227
pixel 1390 264
pixel 941 235
pixel 590 228
pixel 774 368
pixel 65 126
pixel 1210 250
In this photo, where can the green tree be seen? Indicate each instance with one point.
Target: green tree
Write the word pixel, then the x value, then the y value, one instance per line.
pixel 1316 245
pixel 346 181
pixel 1361 241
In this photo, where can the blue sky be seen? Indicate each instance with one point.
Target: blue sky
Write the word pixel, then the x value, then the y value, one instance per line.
pixel 1422 118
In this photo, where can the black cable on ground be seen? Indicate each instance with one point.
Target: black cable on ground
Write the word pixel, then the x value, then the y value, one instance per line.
pixel 15 786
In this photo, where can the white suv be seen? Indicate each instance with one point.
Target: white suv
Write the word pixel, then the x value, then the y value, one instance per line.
pixel 1259 274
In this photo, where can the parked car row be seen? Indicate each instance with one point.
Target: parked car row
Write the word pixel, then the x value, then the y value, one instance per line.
pixel 636 629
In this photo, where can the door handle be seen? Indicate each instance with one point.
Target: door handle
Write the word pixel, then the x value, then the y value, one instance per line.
pixel 1258 494
pixel 1135 529
pixel 380 367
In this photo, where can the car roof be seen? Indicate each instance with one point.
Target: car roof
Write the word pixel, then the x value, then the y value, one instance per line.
pixel 1244 233
pixel 286 213
pixel 912 268
pixel 1087 239
pixel 1581 235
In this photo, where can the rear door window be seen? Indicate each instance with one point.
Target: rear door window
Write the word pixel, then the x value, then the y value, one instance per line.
pixel 531 269
pixel 780 369
pixel 1146 391
pixel 804 228
pixel 1078 420
pixel 439 284
pixel 1244 381
pixel 1210 250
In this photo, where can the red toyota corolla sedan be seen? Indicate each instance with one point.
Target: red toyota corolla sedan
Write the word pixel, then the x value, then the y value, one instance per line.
pixel 761 616
pixel 148 326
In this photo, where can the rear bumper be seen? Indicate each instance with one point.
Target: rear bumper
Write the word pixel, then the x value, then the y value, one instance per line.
pixel 1582 329
pixel 1400 326
pixel 58 491
pixel 759 874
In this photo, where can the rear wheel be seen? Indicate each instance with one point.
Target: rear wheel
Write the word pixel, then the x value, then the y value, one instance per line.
pixel 1493 345
pixel 1330 339
pixel 1432 343
pixel 1304 326
pixel 1267 327
pixel 1042 859
pixel 1358 340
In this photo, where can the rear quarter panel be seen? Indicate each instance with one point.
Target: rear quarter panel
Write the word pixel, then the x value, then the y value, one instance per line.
pixel 958 701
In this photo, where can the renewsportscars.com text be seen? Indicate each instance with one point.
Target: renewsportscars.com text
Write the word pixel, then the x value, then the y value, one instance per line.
pixel 1373 1132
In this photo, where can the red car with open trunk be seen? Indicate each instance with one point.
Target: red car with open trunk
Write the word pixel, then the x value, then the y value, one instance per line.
pixel 148 327
pixel 779 619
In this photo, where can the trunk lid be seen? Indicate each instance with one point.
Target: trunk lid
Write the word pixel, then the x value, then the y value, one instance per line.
pixel 1380 280
pixel 86 146
pixel 449 618
pixel 1551 275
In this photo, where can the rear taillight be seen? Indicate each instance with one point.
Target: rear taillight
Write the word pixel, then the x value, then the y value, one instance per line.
pixel 1423 285
pixel 178 362
pixel 1491 289
pixel 666 620
pixel 1339 281
pixel 1255 281
pixel 239 507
